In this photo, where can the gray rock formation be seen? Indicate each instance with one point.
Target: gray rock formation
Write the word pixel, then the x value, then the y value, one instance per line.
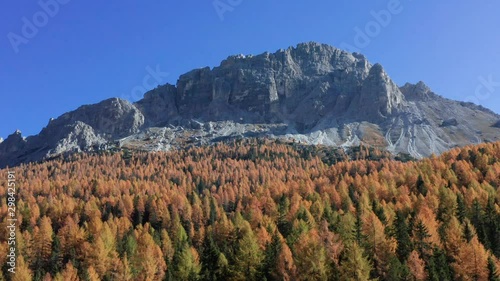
pixel 312 93
pixel 111 118
pixel 88 128
pixel 450 122
pixel 158 106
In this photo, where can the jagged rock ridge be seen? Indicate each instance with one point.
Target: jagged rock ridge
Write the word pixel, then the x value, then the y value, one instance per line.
pixel 313 93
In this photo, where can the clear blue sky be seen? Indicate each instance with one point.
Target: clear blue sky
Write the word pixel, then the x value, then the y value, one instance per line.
pixel 87 51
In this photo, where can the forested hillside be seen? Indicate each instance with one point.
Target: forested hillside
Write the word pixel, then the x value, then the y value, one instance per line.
pixel 257 210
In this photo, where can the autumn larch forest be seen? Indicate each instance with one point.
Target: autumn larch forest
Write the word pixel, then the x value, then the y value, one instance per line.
pixel 258 210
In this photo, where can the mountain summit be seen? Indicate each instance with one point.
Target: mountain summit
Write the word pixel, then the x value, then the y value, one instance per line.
pixel 312 93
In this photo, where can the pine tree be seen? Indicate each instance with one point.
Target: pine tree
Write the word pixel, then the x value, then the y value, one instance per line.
pixel 278 261
pixel 378 247
pixel 310 257
pixel 166 246
pixel 248 257
pixel 397 270
pixel 438 267
pixel 402 234
pixel 477 219
pixel 92 275
pixel 43 245
pixel 148 260
pixel 186 264
pixel 186 261
pixel 492 226
pixel 421 186
pixel 379 211
pixel 210 259
pixel 416 266
pixel 454 237
pixel 461 209
pixel 23 273
pixel 469 231
pixel 72 238
pixel 271 256
pixel 69 273
pixel 122 270
pixel 355 266
pixel 285 266
pixel 95 256
pixel 471 262
pixel 421 235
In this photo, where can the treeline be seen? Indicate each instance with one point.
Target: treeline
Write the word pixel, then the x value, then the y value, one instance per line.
pixel 257 210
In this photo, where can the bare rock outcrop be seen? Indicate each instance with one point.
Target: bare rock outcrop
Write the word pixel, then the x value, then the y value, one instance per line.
pixel 313 93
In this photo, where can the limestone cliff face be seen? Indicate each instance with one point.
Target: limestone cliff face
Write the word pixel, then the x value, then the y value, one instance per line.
pixel 313 93
pixel 300 84
pixel 111 118
pixel 87 128
pixel 380 95
pixel 159 106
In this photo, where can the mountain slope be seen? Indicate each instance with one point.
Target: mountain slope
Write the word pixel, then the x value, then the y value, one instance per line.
pixel 312 93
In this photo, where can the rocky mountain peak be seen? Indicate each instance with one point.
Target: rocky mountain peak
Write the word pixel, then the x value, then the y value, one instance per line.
pixel 314 49
pixel 379 96
pixel 13 143
pixel 111 118
pixel 17 134
pixel 15 137
pixel 378 70
pixel 422 87
pixel 312 92
pixel 417 91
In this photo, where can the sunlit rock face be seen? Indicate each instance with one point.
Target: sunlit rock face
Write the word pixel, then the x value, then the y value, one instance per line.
pixel 312 93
